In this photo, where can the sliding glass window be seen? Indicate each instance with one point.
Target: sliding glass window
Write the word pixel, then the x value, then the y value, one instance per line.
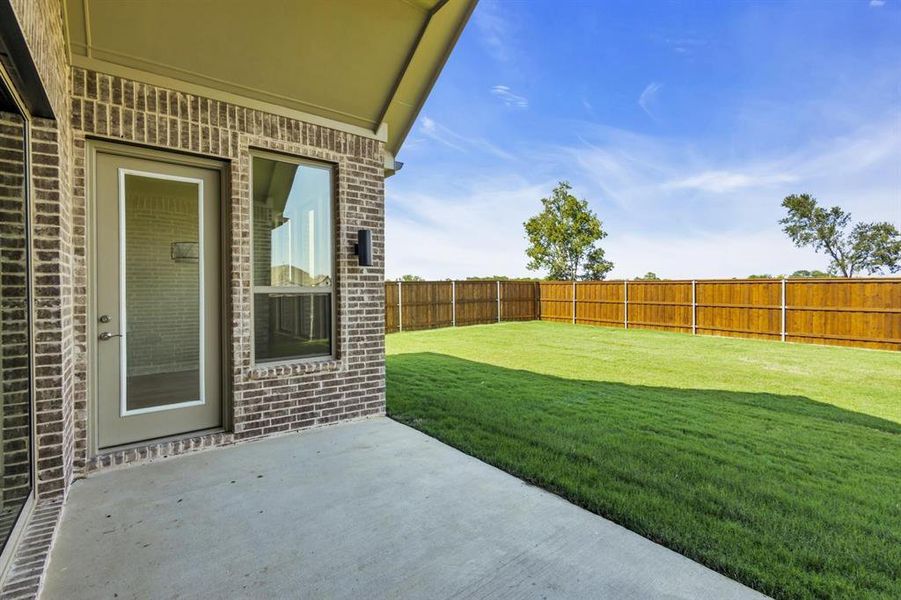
pixel 293 259
pixel 15 332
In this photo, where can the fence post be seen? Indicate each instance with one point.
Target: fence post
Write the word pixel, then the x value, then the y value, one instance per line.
pixel 574 301
pixel 400 308
pixel 498 300
pixel 453 303
pixel 625 303
pixel 694 308
pixel 782 332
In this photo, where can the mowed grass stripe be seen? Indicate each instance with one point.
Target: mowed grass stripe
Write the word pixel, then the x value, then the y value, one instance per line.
pixel 793 493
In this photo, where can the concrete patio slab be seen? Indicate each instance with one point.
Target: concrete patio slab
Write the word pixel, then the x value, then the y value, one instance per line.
pixel 371 510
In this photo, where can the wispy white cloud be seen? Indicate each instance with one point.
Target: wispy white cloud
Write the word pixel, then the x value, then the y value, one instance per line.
pixel 877 3
pixel 685 45
pixel 670 207
pixel 648 98
pixel 628 167
pixel 462 229
pixel 466 237
pixel 729 181
pixel 705 202
pixel 494 30
pixel 431 129
pixel 708 254
pixel 509 98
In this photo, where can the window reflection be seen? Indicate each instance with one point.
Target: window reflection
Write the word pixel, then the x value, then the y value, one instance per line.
pixel 293 259
pixel 163 292
pixel 15 389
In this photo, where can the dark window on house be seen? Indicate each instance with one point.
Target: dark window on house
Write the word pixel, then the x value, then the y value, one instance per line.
pixel 293 260
pixel 15 333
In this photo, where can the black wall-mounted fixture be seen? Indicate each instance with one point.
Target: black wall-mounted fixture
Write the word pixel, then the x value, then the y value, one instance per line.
pixel 363 247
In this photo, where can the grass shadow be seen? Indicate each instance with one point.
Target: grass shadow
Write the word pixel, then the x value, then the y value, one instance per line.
pixel 796 498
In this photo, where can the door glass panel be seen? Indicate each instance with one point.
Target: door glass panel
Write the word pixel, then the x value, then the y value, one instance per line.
pixel 163 270
pixel 15 390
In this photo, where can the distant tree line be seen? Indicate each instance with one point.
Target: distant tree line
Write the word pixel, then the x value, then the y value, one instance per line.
pixel 802 274
pixel 406 278
pixel 649 276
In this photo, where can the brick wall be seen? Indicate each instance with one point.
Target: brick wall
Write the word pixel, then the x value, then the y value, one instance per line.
pixel 59 356
pixel 15 457
pixel 265 400
pixel 262 259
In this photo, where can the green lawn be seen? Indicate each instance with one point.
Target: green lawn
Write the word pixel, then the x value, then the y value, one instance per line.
pixel 776 464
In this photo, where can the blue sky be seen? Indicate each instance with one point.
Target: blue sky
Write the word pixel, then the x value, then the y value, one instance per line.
pixel 684 124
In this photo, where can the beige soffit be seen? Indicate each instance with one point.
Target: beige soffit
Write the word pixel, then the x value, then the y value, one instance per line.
pixel 365 65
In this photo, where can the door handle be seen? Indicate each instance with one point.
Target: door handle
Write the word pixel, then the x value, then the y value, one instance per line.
pixel 106 335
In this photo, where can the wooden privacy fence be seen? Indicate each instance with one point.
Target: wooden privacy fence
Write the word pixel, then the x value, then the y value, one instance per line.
pixel 431 304
pixel 848 312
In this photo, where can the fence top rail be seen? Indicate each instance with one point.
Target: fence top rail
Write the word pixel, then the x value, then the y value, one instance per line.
pixel 753 280
pixel 844 279
pixel 662 281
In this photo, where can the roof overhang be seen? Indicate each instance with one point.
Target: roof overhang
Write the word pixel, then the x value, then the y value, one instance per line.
pixel 364 66
pixel 20 67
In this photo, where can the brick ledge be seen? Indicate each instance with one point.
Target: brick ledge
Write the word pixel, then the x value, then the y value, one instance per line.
pixel 293 368
pixel 29 565
pixel 157 451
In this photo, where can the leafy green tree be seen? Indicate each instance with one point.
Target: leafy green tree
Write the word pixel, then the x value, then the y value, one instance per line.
pixel 762 276
pixel 865 247
pixel 563 237
pixel 649 276
pixel 814 274
pixel 410 278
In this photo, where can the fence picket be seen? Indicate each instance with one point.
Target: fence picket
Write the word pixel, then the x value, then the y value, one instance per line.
pixel 694 307
pixel 454 303
pixel 782 317
pixel 574 301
